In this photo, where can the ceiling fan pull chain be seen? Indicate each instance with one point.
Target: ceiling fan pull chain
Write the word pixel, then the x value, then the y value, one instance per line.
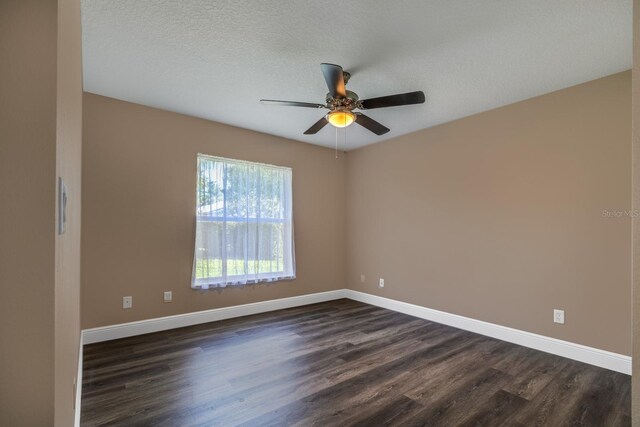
pixel 344 147
pixel 336 143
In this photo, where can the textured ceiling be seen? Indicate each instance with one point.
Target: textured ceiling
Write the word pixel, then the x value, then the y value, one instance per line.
pixel 216 59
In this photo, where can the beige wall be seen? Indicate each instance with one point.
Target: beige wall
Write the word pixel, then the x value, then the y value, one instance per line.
pixel 38 272
pixel 635 378
pixel 498 216
pixel 139 182
pixel 27 178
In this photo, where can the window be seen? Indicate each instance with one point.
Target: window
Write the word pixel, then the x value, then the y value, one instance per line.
pixel 244 225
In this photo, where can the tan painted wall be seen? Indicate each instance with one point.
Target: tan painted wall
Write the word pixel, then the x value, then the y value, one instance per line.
pixel 41 92
pixel 635 377
pixel 27 178
pixel 68 165
pixel 498 216
pixel 138 201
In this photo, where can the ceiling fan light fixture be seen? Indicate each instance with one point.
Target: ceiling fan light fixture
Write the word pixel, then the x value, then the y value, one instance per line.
pixel 341 119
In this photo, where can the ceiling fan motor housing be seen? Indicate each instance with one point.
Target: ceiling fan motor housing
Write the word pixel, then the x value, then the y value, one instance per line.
pixel 348 103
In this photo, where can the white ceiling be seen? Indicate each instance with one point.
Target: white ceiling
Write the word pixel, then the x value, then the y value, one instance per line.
pixel 216 59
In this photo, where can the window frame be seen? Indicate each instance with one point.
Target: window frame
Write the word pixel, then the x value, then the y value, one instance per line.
pixel 288 262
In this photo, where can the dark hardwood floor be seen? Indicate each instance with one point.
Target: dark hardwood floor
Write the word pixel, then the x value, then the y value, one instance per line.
pixel 340 363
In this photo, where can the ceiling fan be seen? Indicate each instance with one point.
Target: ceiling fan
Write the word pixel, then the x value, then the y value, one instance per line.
pixel 341 103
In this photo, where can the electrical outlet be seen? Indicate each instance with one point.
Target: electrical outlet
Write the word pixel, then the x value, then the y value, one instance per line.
pixel 127 302
pixel 381 285
pixel 558 316
pixel 168 296
pixel 362 278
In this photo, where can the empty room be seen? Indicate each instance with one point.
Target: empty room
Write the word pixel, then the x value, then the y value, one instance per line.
pixel 365 213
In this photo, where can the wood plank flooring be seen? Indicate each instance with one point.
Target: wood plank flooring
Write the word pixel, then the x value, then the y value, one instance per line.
pixel 340 363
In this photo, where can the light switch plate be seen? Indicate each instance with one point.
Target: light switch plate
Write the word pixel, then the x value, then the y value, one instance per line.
pixel 62 206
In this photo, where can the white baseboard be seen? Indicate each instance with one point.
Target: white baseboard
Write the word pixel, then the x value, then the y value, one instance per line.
pixel 582 353
pixel 76 422
pixel 124 330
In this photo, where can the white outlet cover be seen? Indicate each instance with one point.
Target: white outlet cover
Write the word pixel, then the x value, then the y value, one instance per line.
pixel 127 302
pixel 168 296
pixel 558 316
pixel 362 278
pixel 382 283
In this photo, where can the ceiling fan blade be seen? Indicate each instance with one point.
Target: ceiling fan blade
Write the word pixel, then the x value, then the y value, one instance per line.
pixel 291 103
pixel 334 76
pixel 394 100
pixel 316 127
pixel 368 123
